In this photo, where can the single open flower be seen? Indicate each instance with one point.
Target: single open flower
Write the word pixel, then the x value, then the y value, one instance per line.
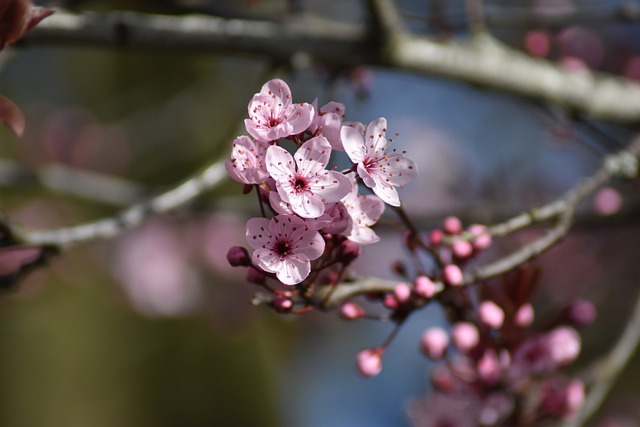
pixel 247 161
pixel 305 184
pixel 272 115
pixel 380 171
pixel 284 245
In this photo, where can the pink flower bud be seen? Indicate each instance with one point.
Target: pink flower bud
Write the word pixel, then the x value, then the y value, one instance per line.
pixel 491 314
pixel 581 313
pixel 537 43
pixel 563 344
pixel 574 398
pixel 465 336
pixel 282 304
pixel 256 276
pixel 452 225
pixel 237 256
pixel 434 342
pixel 452 275
pixel 390 301
pixel 340 218
pixel 435 237
pixel 442 379
pixel 488 367
pixel 402 292
pixel 482 239
pixel 461 249
pixel 351 310
pixel 349 251
pixel 424 287
pixel 525 315
pixel 607 201
pixel 369 361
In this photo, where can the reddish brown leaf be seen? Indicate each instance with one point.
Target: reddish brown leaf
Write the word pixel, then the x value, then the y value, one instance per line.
pixel 17 17
pixel 12 116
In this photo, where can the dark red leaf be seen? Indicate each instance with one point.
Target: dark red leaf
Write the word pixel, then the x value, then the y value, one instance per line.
pixel 12 116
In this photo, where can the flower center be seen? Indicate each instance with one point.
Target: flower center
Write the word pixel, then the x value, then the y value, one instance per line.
pixel 274 121
pixel 300 184
pixel 282 248
pixel 369 164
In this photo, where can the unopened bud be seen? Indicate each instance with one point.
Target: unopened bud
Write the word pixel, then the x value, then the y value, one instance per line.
pixel 465 336
pixel 452 225
pixel 238 256
pixel 563 344
pixel 369 361
pixel 452 275
pixel 580 313
pixel 282 304
pixel 491 314
pixel 488 367
pixel 461 249
pixel 481 237
pixel 524 316
pixel 435 237
pixel 402 292
pixel 351 311
pixel 574 398
pixel 340 218
pixel 424 287
pixel 434 342
pixel 256 276
pixel 349 251
pixel 390 301
pixel 442 379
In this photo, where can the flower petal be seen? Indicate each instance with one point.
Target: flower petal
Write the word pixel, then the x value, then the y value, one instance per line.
pixel 353 143
pixel 258 234
pixel 279 163
pixel 376 141
pixel 313 156
pixel 294 270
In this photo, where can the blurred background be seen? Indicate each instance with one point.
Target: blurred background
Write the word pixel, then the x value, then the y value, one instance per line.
pixel 155 329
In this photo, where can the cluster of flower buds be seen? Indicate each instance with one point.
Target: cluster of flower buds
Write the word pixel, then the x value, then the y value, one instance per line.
pixel 450 246
pixel 314 219
pixel 508 368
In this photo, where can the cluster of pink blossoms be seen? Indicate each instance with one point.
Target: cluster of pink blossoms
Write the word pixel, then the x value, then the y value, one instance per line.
pixel 312 218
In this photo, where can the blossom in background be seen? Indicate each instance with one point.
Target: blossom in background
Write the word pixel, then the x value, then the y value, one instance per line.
pixel 364 211
pixel 272 115
pixel 305 184
pixel 247 161
pixel 380 171
pixel 284 245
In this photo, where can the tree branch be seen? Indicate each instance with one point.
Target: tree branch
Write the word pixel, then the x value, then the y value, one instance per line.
pixel 85 184
pixel 480 61
pixel 109 227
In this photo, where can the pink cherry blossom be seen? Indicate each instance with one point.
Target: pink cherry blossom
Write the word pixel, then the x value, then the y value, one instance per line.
pixel 305 184
pixel 247 161
pixel 364 211
pixel 380 171
pixel 284 245
pixel 272 115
